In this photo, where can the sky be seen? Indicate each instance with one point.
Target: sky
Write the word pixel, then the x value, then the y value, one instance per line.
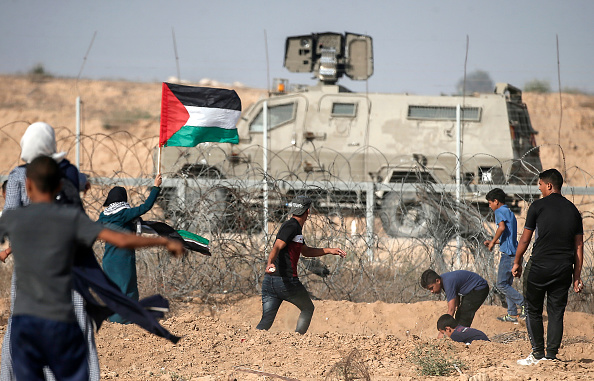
pixel 419 46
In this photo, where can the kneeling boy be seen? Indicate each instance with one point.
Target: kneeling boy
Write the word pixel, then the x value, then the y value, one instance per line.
pixel 465 292
pixel 448 326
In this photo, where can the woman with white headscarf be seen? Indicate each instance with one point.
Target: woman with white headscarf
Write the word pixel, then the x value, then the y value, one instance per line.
pixel 40 139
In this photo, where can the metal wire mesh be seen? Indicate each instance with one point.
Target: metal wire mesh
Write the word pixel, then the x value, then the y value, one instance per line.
pixel 226 206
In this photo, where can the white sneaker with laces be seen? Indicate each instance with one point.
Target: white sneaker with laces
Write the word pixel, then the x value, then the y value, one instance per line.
pixel 531 360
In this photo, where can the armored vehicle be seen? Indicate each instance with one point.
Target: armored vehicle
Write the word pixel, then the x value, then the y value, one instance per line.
pixel 326 132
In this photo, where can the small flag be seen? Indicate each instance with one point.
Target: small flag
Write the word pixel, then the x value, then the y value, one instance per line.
pixel 191 241
pixel 195 242
pixel 192 115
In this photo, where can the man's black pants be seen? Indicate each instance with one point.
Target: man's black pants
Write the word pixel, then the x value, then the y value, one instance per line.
pixel 469 304
pixel 552 278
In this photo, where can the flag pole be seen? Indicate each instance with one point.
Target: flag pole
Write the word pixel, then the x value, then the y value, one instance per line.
pixel 265 163
pixel 78 133
pixel 159 160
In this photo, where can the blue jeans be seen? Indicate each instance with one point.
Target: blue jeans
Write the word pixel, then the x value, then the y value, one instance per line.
pixel 275 289
pixel 37 342
pixel 505 280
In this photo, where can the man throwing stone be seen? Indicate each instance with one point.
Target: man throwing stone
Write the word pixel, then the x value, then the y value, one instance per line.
pixel 281 281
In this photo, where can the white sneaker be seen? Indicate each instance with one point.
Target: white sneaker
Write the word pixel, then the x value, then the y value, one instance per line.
pixel 530 360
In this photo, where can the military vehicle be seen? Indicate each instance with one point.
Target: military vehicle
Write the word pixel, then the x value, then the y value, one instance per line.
pixel 326 132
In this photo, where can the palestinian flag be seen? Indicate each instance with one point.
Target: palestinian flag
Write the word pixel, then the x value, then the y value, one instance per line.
pixel 191 241
pixel 194 242
pixel 192 115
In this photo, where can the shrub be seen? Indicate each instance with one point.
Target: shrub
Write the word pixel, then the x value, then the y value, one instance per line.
pixel 431 361
pixel 38 73
pixel 537 86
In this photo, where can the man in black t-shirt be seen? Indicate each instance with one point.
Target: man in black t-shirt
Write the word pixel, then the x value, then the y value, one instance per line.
pixel 557 255
pixel 281 281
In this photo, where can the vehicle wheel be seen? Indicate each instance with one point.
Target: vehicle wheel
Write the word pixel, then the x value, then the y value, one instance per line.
pixel 206 212
pixel 241 216
pixel 405 215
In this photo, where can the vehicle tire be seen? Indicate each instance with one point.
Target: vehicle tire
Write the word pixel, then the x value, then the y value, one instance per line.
pixel 405 215
pixel 239 215
pixel 198 210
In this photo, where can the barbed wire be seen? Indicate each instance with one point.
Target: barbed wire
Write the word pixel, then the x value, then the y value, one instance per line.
pixel 413 228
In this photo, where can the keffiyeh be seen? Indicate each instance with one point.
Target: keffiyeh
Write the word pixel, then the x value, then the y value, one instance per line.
pixel 115 207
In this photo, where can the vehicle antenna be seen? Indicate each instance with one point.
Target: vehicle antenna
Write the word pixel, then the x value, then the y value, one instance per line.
pixel 82 66
pixel 561 162
pixel 176 56
pixel 267 64
pixel 79 103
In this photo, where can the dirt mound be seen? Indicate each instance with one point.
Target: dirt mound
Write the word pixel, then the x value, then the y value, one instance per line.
pixel 220 342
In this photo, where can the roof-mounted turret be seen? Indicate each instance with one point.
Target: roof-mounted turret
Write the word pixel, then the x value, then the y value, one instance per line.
pixel 330 55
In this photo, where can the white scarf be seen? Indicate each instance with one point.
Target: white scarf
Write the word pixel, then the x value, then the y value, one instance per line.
pixel 39 139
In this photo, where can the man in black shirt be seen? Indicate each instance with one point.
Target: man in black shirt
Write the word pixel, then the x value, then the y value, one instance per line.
pixel 557 255
pixel 281 281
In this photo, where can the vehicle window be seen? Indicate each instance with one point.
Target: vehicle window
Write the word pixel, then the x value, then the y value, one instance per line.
pixel 469 114
pixel 277 115
pixel 344 109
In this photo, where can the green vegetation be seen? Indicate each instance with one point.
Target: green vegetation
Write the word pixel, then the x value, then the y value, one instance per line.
pixel 431 360
pixel 540 86
pixel 38 73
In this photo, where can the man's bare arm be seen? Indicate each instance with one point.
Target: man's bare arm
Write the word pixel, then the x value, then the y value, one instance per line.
pixel 318 252
pixel 522 247
pixel 452 306
pixel 498 233
pixel 132 241
pixel 279 244
pixel 579 261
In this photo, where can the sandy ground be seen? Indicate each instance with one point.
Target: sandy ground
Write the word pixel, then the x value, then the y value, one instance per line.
pixel 220 342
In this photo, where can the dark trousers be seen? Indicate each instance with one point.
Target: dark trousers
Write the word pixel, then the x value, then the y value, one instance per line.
pixel 552 279
pixel 37 342
pixel 275 289
pixel 469 304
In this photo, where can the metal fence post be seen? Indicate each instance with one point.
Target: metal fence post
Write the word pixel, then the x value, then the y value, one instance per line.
pixel 181 193
pixel 369 193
